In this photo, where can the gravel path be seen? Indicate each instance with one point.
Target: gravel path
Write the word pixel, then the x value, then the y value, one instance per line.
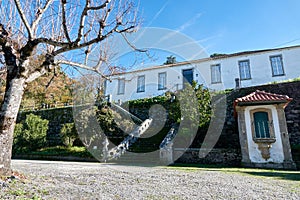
pixel 73 180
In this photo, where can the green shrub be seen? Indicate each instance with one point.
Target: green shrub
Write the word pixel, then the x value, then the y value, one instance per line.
pixel 63 151
pixel 194 102
pixel 68 134
pixel 30 134
pixel 18 142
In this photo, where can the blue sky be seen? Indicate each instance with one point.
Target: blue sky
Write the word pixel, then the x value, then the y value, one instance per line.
pixel 227 26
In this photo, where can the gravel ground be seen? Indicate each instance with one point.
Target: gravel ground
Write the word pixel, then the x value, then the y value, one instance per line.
pixel 73 180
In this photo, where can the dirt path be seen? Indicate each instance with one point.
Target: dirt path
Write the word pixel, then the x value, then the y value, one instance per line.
pixel 73 180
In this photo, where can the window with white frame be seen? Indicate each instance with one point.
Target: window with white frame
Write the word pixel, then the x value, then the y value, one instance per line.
pixel 121 86
pixel 277 65
pixel 141 84
pixel 244 67
pixel 162 80
pixel 216 73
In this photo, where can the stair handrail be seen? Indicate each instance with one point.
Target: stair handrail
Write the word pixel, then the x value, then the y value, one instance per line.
pixel 169 137
pixel 127 112
pixel 119 150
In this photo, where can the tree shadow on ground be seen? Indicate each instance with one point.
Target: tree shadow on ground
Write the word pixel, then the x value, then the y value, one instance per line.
pixel 293 176
pixel 268 173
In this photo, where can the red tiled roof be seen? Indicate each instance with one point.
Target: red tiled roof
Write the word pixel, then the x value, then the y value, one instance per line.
pixel 262 97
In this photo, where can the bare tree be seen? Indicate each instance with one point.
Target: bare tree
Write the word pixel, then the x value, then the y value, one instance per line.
pixel 49 33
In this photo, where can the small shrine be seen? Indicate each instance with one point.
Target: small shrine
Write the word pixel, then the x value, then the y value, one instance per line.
pixel 263 133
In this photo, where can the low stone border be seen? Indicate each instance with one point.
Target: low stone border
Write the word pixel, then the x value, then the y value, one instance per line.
pixel 54 158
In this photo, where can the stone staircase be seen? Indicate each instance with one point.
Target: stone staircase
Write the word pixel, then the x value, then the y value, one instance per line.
pixel 145 150
pixel 142 145
pixel 124 145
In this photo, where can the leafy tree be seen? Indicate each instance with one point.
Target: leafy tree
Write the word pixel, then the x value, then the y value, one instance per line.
pixel 199 107
pixel 48 89
pixel 170 60
pixel 216 55
pixel 204 104
pixel 36 36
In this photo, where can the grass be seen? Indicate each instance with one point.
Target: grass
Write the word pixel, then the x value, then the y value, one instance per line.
pixel 263 173
pixel 62 151
pixel 285 81
pixel 18 192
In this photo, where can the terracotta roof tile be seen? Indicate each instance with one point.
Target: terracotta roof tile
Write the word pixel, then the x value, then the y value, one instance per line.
pixel 262 96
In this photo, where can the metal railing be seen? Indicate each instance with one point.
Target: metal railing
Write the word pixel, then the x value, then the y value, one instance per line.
pixel 46 106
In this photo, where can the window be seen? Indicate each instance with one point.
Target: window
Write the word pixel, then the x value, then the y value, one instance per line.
pixel 261 125
pixel 121 86
pixel 244 67
pixel 277 65
pixel 141 84
pixel 162 80
pixel 216 73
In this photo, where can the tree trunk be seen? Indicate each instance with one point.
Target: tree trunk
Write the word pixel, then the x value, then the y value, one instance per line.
pixel 8 116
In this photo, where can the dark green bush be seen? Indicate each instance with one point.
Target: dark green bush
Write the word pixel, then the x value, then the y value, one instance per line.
pixel 68 134
pixel 30 134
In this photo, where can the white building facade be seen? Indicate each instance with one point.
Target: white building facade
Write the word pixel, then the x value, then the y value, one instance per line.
pixel 217 73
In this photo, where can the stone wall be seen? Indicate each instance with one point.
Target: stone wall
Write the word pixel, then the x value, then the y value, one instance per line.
pixel 226 157
pixel 227 149
pixel 56 117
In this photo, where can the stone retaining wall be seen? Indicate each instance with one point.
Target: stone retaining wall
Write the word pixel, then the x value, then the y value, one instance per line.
pixel 227 149
pixel 226 157
pixel 56 117
pixel 229 139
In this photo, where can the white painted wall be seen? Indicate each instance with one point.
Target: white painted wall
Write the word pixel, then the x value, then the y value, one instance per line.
pixel 261 73
pixel 276 151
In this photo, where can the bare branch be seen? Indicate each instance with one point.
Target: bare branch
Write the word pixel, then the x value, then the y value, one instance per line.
pixel 85 13
pixel 132 46
pixel 92 41
pixel 82 21
pixel 87 52
pixel 34 75
pixel 103 21
pixel 51 42
pixel 24 19
pixel 39 15
pixel 82 66
pixel 104 5
pixel 64 21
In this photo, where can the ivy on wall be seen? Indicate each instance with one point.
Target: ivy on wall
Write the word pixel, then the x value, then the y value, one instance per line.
pixel 176 103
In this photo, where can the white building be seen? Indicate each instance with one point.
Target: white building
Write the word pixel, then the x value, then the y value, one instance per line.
pixel 217 73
